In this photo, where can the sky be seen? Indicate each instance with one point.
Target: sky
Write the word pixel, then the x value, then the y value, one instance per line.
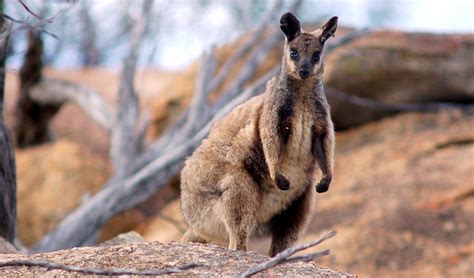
pixel 185 30
pixel 408 15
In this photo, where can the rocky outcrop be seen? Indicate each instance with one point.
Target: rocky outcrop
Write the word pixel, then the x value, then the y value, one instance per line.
pixel 402 201
pixel 397 67
pixel 210 260
pixel 52 180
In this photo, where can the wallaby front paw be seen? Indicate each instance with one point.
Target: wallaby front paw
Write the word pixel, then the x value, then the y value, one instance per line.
pixel 282 182
pixel 323 185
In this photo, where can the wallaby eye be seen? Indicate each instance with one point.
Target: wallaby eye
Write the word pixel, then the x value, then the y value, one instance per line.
pixel 316 56
pixel 294 54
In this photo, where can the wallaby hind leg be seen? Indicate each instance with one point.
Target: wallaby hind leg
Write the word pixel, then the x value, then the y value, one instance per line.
pixel 239 203
pixel 191 236
pixel 289 224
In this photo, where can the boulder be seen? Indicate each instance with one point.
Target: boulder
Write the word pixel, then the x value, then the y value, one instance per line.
pixel 53 179
pixel 211 261
pixel 126 238
pixel 6 247
pixel 399 67
pixel 402 197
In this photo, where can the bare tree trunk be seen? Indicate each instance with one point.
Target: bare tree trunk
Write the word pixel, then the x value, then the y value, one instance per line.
pixel 7 157
pixel 126 139
pixel 7 184
pixel 32 118
pixel 90 53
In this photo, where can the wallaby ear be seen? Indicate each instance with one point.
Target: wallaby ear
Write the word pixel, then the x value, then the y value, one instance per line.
pixel 328 29
pixel 290 26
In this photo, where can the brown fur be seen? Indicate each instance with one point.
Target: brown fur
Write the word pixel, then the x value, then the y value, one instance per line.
pixel 254 174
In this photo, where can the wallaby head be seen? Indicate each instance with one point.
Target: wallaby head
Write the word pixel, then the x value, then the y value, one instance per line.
pixel 302 54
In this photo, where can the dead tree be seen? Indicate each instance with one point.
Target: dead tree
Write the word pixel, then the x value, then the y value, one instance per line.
pixel 40 99
pixel 7 156
pixel 32 119
pixel 88 42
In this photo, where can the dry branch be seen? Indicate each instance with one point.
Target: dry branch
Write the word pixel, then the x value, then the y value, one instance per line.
pixel 59 91
pixel 285 256
pixel 246 72
pixel 37 26
pixel 199 104
pixel 97 271
pixel 245 47
pixel 23 4
pixel 91 55
pixel 402 107
pixel 124 145
pixel 347 39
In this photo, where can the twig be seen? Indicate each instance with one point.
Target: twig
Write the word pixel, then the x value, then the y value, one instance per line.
pixel 284 256
pixel 242 50
pixel 30 11
pixel 97 271
pixel 402 107
pixel 246 72
pixel 308 257
pixel 347 39
pixel 177 224
pixel 38 26
pixel 46 20
pixel 254 61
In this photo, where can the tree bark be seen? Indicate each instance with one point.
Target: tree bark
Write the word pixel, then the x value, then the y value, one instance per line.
pixel 91 54
pixel 32 119
pixel 7 157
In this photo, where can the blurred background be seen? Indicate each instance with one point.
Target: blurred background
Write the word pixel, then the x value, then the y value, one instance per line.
pixel 181 30
pixel 103 95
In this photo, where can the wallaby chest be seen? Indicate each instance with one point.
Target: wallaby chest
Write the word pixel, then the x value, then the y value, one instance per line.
pixel 297 126
pixel 306 118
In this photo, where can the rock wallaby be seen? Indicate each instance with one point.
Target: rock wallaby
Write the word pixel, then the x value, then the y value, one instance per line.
pixel 254 175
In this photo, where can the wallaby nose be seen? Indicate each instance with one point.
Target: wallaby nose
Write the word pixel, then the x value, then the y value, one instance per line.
pixel 304 73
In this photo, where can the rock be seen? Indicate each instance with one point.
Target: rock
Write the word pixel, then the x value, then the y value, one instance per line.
pixel 167 226
pixel 55 178
pixel 126 238
pixel 402 197
pixel 212 260
pixel 6 247
pixel 52 180
pixel 398 67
